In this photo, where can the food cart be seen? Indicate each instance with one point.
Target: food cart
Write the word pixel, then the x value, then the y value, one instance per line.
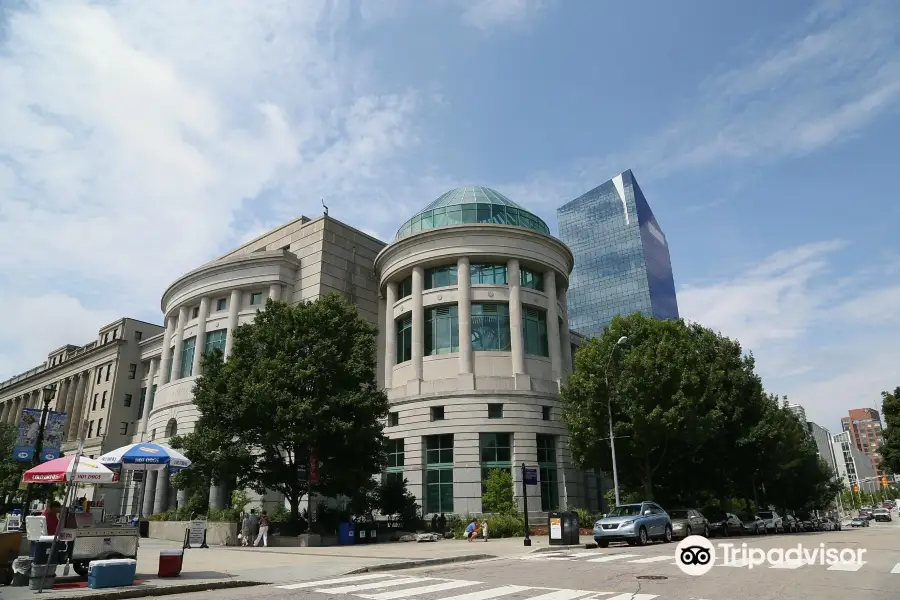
pixel 89 539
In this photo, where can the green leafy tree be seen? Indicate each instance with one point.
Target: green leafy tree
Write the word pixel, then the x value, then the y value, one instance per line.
pixel 498 496
pixel 11 489
pixel 890 449
pixel 298 387
pixel 394 500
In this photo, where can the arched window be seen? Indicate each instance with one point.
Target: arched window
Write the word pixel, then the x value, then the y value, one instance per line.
pixel 171 428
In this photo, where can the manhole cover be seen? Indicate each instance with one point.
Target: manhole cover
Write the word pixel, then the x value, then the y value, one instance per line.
pixel 653 577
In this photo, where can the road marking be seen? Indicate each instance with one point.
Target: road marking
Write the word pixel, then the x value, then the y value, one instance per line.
pixel 634 597
pixel 611 557
pixel 652 559
pixel 842 566
pixel 562 595
pixel 418 591
pixel 736 563
pixel 896 569
pixel 583 554
pixel 309 584
pixel 496 592
pixel 346 589
pixel 789 564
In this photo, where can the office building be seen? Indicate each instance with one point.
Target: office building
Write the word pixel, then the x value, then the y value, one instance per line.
pixel 864 427
pixel 852 465
pixel 622 262
pixel 824 445
pixel 797 410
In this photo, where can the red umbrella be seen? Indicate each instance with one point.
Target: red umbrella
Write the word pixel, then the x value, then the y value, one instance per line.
pixel 62 469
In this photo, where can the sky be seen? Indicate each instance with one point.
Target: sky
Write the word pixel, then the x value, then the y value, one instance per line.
pixel 141 139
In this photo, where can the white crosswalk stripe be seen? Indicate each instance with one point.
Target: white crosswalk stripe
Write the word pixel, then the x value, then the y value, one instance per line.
pixel 842 566
pixel 789 564
pixel 348 579
pixel 612 557
pixel 896 569
pixel 421 590
pixel 652 559
pixel 348 589
pixel 496 592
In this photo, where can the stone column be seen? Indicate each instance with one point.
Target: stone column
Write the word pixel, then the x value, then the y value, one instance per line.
pixel 62 390
pixel 180 498
pixel 149 493
pixel 464 279
pixel 178 350
pixel 68 401
pixel 13 411
pixel 564 334
pixel 215 497
pixel 7 408
pixel 79 407
pixel 390 334
pixel 71 408
pixel 234 305
pixel 418 321
pixel 200 340
pixel 38 396
pixel 165 362
pixel 148 398
pixel 162 491
pixel 515 318
pixel 275 291
pixel 553 326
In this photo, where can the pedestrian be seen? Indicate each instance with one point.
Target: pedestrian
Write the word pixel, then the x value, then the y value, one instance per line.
pixel 470 530
pixel 263 530
pixel 434 523
pixel 254 524
pixel 442 523
pixel 246 530
pixel 51 516
pixel 484 531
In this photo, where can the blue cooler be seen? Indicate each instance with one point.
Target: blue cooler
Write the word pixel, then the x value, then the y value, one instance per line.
pixel 116 572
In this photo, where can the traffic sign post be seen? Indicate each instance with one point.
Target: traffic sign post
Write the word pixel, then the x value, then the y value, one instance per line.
pixel 529 477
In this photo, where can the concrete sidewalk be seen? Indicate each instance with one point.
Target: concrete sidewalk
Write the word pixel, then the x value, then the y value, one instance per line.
pixel 224 566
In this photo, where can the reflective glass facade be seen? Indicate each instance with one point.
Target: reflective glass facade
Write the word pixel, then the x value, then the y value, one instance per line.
pixel 622 262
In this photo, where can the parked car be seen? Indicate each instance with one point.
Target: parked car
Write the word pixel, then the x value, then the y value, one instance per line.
pixel 723 523
pixel 752 524
pixel 688 521
pixel 882 514
pixel 633 523
pixel 774 522
pixel 826 524
pixel 808 522
pixel 859 522
pixel 867 513
pixel 791 525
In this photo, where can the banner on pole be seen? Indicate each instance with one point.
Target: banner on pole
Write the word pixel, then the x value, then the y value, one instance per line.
pixel 26 439
pixel 54 432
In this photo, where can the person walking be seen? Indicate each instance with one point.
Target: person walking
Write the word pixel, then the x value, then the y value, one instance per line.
pixel 254 525
pixel 246 530
pixel 263 530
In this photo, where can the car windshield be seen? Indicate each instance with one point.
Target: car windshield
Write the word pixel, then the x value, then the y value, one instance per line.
pixel 881 510
pixel 859 519
pixel 678 513
pixel 628 510
pixel 765 514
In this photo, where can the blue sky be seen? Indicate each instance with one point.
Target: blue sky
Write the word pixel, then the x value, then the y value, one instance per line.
pixel 142 139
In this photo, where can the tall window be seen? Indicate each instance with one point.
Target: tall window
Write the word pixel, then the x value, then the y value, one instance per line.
pixel 141 401
pixel 488 274
pixel 490 327
pixel 546 456
pixel 404 340
pixel 496 453
pixel 215 339
pixel 534 330
pixel 404 288
pixel 441 330
pixel 531 279
pixel 256 298
pixel 187 356
pixel 439 473
pixel 440 276
pixel 395 458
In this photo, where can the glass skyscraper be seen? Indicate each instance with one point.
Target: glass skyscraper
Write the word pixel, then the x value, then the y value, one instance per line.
pixel 622 262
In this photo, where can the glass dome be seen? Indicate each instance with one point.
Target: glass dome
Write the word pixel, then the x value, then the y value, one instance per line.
pixel 472 204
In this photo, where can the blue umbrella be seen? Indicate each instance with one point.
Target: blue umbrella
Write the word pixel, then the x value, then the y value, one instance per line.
pixel 146 456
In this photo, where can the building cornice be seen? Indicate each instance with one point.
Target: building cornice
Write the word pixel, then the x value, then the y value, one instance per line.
pixel 89 354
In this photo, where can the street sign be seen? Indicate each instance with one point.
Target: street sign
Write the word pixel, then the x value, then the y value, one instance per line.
pixel 197 532
pixel 530 475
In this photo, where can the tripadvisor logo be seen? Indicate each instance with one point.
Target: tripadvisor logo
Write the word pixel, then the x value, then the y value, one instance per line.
pixel 695 555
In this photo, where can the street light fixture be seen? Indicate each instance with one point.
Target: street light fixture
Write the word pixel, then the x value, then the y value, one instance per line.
pixel 47 394
pixel 612 441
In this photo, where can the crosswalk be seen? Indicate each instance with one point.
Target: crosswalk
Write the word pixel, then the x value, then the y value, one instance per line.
pixel 379 586
pixel 669 560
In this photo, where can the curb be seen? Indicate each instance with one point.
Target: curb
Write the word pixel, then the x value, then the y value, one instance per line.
pixel 587 546
pixel 146 592
pixel 412 564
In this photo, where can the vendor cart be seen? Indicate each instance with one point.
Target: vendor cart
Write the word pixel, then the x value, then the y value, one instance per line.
pixel 10 542
pixel 89 540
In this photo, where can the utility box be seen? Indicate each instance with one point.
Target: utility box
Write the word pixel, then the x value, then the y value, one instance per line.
pixel 562 528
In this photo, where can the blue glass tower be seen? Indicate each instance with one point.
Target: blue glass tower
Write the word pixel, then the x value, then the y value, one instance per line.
pixel 622 262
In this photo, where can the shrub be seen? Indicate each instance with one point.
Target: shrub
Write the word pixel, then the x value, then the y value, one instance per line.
pixel 499 525
pixel 585 517
pixel 498 497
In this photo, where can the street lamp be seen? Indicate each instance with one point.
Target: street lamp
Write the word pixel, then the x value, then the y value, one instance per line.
pixel 612 440
pixel 47 394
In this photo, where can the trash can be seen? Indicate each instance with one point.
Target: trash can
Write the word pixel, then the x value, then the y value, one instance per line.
pixel 571 536
pixel 555 528
pixel 43 576
pixel 21 571
pixel 346 534
pixel 373 533
pixel 144 528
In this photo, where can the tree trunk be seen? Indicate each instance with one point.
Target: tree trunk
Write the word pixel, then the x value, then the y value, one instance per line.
pixel 294 501
pixel 647 479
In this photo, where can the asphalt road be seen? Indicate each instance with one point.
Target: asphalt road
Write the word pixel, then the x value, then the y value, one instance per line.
pixel 626 573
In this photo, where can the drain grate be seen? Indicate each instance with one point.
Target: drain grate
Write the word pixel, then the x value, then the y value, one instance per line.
pixel 652 577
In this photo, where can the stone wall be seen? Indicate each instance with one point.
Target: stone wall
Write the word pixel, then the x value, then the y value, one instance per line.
pixel 217 534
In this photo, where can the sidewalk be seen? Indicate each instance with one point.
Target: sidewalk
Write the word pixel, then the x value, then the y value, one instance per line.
pixel 223 566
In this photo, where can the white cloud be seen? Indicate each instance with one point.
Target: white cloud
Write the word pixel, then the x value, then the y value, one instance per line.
pixel 489 14
pixel 828 343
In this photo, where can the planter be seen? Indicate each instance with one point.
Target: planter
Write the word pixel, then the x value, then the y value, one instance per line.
pixel 217 533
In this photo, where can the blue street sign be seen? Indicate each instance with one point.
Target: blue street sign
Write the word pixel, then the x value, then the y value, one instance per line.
pixel 531 476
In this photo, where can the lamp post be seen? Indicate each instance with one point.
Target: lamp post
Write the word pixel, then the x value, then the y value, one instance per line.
pixel 47 394
pixel 612 440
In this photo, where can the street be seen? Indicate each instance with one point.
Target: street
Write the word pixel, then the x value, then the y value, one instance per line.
pixel 624 573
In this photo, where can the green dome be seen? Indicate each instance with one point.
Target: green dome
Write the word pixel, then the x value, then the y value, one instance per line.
pixel 472 204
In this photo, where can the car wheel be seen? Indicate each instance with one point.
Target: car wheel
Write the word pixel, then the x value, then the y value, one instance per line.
pixel 706 531
pixel 603 544
pixel 642 536
pixel 725 531
pixel 688 531
pixel 667 536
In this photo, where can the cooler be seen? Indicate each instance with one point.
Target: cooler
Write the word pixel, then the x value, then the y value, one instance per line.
pixel 117 572
pixel 170 563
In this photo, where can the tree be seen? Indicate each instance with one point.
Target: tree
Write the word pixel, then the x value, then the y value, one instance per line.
pixel 394 500
pixel 890 448
pixel 11 490
pixel 298 390
pixel 498 496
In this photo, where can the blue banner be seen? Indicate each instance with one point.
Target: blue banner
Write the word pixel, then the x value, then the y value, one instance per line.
pixel 26 440
pixel 54 432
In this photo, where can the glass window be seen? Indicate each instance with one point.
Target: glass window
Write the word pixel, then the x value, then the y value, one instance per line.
pixel 221 303
pixel 546 449
pixel 393 419
pixel 484 213
pixel 404 340
pixel 441 330
pixel 143 398
pixel 427 219
pixel 439 491
pixel 490 327
pixel 440 217
pixel 545 413
pixel 495 411
pixel 496 449
pixel 469 213
pixel 454 215
pixel 531 279
pixel 440 276
pixel 534 330
pixel 187 357
pixel 404 289
pixel 488 274
pixel 437 413
pixel 216 340
pixel 256 298
pixel 391 476
pixel 546 456
pixel 439 449
pixel 395 454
